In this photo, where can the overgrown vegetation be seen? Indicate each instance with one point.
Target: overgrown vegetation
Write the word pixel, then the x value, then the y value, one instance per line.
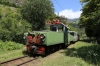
pixel 79 54
pixel 73 26
pixel 90 17
pixel 9 50
pixel 11 54
pixel 13 3
pixel 86 51
pixel 12 26
pixel 8 46
pixel 36 12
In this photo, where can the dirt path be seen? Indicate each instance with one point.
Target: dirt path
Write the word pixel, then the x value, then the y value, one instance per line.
pixel 70 46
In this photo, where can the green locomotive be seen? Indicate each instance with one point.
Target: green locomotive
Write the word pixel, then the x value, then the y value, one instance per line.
pixel 43 42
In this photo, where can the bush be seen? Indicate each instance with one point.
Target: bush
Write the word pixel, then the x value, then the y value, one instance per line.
pixel 8 45
pixel 8 3
pixel 12 26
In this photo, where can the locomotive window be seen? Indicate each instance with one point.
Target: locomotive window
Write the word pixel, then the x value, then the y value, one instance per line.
pixel 53 28
pixel 72 33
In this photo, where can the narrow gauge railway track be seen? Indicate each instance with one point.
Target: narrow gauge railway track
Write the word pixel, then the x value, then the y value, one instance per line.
pixel 20 61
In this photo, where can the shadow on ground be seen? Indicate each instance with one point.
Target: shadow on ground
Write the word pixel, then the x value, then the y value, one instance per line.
pixel 33 55
pixel 93 41
pixel 28 54
pixel 90 54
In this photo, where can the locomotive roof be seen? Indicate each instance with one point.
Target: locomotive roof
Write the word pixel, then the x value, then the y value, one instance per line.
pixel 58 25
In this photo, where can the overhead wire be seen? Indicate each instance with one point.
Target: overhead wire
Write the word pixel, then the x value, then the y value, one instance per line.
pixel 59 4
pixel 61 7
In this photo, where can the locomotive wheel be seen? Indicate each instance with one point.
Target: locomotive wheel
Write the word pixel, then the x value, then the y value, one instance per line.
pixel 47 50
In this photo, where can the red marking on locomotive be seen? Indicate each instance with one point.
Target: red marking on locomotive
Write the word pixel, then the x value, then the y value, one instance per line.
pixel 41 50
pixel 29 39
pixel 35 39
pixel 39 40
pixel 27 47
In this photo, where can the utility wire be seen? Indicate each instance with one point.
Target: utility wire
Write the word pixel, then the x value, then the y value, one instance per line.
pixel 59 4
pixel 61 7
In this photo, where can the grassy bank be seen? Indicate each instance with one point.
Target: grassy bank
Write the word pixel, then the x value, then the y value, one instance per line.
pixel 79 54
pixel 9 50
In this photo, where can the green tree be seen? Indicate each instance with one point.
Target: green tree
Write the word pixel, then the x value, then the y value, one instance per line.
pixel 90 17
pixel 12 26
pixel 36 12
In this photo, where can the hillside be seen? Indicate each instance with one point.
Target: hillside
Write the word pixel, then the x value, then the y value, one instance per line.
pixel 11 23
pixel 73 20
pixel 15 3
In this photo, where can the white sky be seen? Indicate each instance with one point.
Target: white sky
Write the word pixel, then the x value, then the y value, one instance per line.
pixel 70 13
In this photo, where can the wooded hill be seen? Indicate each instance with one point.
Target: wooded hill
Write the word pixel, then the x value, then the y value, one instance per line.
pixel 14 21
pixel 12 25
pixel 15 3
